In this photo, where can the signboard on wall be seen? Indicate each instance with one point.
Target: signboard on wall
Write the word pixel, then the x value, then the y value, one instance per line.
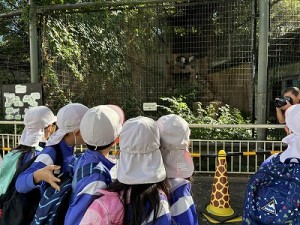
pixel 17 98
pixel 150 106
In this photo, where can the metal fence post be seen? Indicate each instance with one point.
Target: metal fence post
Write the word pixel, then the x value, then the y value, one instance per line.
pixel 33 43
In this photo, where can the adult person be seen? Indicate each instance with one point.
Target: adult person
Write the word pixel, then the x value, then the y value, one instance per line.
pixel 140 193
pixel 174 144
pixel 290 92
pixel 66 137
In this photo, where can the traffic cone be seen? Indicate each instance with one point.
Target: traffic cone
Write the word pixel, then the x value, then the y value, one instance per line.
pixel 219 210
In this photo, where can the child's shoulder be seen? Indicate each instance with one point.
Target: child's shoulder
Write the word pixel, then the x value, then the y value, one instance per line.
pixel 178 182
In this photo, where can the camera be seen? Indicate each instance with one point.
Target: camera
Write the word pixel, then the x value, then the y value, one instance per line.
pixel 282 101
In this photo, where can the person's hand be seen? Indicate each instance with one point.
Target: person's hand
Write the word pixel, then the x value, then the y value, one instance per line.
pixel 286 106
pixel 47 174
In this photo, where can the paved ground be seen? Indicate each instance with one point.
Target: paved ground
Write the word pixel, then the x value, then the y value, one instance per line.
pixel 202 187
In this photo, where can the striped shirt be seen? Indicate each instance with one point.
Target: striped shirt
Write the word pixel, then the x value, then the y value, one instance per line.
pixel 183 209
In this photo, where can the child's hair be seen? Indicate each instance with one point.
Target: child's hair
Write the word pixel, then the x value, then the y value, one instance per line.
pixel 24 148
pixel 99 148
pixel 136 210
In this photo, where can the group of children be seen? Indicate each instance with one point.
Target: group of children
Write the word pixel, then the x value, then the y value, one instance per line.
pixel 152 184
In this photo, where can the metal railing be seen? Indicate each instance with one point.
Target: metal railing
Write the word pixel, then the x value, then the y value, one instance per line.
pixel 243 156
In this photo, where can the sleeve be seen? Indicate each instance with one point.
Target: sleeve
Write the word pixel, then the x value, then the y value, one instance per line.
pixel 164 216
pixel 85 192
pixel 25 181
pixel 183 209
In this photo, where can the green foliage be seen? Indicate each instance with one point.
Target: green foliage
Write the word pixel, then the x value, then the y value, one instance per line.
pixel 209 115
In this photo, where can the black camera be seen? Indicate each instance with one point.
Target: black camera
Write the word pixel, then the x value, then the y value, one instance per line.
pixel 282 101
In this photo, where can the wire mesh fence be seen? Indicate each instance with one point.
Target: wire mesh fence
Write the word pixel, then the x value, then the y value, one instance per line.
pixel 129 54
pixel 132 55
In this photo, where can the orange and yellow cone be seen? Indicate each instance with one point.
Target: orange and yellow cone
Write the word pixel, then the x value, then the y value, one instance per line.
pixel 219 210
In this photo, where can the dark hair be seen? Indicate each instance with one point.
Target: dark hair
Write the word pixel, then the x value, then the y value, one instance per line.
pixel 139 195
pixel 98 148
pixel 24 148
pixel 295 91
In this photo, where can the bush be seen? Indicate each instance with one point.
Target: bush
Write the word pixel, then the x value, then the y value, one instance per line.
pixel 211 114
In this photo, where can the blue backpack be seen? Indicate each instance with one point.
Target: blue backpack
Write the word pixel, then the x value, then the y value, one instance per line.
pixel 54 204
pixel 273 194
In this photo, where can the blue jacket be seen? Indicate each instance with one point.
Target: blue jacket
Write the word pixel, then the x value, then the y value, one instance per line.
pixel 164 216
pixel 182 207
pixel 47 157
pixel 85 190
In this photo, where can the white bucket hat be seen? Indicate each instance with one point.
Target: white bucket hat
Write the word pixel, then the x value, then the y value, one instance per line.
pixel 174 142
pixel 119 111
pixel 292 119
pixel 140 158
pixel 35 120
pixel 68 120
pixel 100 126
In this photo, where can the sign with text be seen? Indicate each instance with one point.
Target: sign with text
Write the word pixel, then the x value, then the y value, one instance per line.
pixel 150 106
pixel 17 98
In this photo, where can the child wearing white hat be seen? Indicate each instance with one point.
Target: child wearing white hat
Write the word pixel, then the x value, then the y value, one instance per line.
pixel 66 137
pixel 100 128
pixel 38 123
pixel 292 115
pixel 140 193
pixel 174 144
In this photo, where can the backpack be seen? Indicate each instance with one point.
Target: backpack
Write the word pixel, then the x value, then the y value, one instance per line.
pixel 273 194
pixel 8 168
pixel 109 206
pixel 54 204
pixel 19 208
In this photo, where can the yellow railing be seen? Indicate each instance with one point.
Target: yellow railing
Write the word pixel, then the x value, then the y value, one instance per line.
pixel 244 156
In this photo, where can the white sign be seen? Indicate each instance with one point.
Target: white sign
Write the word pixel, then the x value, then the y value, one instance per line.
pixel 150 106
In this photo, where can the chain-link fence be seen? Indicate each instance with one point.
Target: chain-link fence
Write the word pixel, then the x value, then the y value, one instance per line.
pixel 129 54
pixel 132 55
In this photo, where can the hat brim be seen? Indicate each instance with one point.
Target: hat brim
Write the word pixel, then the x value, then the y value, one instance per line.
pixel 141 168
pixel 31 136
pixel 178 163
pixel 56 137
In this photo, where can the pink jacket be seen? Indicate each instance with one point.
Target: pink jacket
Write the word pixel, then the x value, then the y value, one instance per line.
pixel 106 210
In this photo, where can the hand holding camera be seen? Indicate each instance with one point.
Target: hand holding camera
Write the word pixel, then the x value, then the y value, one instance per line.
pixel 280 102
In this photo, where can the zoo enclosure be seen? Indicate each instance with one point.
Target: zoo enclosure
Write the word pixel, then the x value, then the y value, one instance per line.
pixel 135 52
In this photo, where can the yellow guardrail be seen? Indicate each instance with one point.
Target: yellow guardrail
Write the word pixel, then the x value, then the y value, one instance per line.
pixel 248 153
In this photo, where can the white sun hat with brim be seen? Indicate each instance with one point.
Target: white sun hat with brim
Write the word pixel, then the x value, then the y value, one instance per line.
pixel 119 111
pixel 174 144
pixel 140 158
pixel 35 120
pixel 100 126
pixel 68 120
pixel 292 119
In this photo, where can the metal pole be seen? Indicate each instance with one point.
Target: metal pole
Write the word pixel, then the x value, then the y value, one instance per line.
pixel 262 79
pixel 33 43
